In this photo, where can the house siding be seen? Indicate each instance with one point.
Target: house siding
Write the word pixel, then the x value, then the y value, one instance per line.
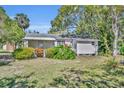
pixel 9 47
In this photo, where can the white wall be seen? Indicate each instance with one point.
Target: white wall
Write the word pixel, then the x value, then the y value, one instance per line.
pixel 25 43
pixel 86 47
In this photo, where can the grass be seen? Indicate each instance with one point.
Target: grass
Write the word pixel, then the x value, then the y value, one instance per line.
pixel 45 70
pixel 3 52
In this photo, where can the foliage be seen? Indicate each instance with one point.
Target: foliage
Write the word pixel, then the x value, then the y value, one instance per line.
pixel 61 52
pixel 50 52
pixel 100 22
pixel 111 65
pixel 23 53
pixel 89 78
pixel 3 18
pixel 18 81
pixel 13 32
pixel 9 29
pixel 66 19
pixel 121 50
pixel 39 52
pixel 23 20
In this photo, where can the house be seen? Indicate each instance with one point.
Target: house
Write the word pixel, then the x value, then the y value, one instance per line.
pixel 9 47
pixel 40 40
pixel 79 45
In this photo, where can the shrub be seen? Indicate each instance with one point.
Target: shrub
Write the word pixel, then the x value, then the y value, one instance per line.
pixel 50 53
pixel 39 52
pixel 60 52
pixel 23 53
pixel 121 50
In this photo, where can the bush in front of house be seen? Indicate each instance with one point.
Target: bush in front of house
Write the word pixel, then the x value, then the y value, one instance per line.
pixel 60 52
pixel 23 53
pixel 50 53
pixel 121 50
pixel 39 52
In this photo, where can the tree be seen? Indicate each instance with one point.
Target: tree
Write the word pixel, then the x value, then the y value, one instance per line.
pixel 117 13
pixel 3 19
pixel 9 29
pixel 14 33
pixel 101 22
pixel 66 20
pixel 23 20
pixel 96 20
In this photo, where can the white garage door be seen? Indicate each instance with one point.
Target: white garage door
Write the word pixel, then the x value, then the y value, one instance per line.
pixel 85 48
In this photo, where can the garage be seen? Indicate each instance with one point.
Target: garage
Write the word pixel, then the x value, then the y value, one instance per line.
pixel 86 46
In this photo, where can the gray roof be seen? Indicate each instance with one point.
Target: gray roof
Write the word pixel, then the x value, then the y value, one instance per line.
pixel 57 37
pixel 41 35
pixel 81 39
pixel 63 39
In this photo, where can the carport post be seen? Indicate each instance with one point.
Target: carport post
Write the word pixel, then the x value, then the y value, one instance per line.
pixel 25 43
pixel 44 53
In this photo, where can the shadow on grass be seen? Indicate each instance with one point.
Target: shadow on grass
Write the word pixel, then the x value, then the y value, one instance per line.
pixel 18 81
pixel 5 64
pixel 89 78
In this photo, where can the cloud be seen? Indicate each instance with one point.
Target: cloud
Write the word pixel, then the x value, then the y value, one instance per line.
pixel 41 28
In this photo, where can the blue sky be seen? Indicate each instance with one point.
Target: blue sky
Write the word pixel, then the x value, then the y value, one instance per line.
pixel 40 16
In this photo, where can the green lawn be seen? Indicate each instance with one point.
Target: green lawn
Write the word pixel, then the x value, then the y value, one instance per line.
pixel 4 52
pixel 41 71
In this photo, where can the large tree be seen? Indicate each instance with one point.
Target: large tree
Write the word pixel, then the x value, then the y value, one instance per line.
pixel 3 19
pixel 9 29
pixel 66 20
pixel 23 20
pixel 14 33
pixel 100 22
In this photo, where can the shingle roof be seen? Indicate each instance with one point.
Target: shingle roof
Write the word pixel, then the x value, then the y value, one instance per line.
pixel 53 37
pixel 41 35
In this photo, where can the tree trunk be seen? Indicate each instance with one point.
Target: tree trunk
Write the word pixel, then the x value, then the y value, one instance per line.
pixel 115 50
pixel 115 30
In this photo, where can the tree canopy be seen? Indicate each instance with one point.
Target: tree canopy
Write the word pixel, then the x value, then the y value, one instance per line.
pixel 99 22
pixel 23 20
pixel 9 29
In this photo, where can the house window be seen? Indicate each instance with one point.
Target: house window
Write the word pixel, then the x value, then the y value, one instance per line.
pixel 61 43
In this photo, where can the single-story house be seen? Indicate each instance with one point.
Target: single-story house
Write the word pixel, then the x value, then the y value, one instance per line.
pixel 40 40
pixel 79 45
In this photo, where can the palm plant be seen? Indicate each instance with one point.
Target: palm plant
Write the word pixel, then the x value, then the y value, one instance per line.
pixel 23 20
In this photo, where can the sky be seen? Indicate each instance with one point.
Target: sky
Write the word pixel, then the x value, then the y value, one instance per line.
pixel 40 15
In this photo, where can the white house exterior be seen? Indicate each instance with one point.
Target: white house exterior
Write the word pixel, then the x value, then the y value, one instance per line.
pixel 79 45
pixel 86 46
